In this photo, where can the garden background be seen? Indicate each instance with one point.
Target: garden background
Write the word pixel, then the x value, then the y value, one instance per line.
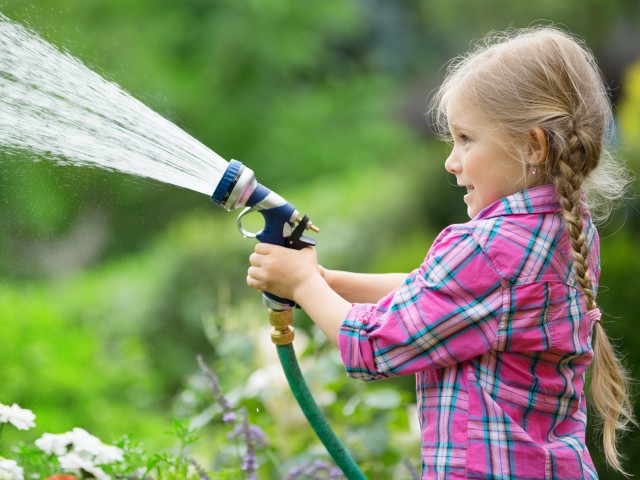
pixel 111 285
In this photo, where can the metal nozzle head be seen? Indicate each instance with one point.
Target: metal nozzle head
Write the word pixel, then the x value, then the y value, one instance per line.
pixel 236 186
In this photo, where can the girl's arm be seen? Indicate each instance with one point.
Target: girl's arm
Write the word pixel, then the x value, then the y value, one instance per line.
pixel 362 287
pixel 325 307
pixel 294 274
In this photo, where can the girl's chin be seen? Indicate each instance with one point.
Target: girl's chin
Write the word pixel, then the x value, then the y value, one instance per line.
pixel 471 208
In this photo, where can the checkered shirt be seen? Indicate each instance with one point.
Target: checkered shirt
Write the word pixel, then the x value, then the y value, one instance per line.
pixel 495 328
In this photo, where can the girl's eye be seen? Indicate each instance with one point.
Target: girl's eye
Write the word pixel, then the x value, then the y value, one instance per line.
pixel 463 138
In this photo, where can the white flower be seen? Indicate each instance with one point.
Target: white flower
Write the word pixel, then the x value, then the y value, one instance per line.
pixel 84 442
pixel 54 444
pixel 21 418
pixel 73 462
pixel 81 443
pixel 108 454
pixel 9 470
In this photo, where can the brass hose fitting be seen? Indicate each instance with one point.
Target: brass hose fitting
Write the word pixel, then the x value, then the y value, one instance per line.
pixel 282 332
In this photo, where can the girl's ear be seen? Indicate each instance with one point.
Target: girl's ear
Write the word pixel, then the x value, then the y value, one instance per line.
pixel 538 146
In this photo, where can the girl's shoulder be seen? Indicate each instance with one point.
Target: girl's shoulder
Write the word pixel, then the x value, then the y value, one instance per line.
pixel 511 241
pixel 482 231
pixel 519 230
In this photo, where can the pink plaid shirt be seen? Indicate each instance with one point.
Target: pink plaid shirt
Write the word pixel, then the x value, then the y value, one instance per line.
pixel 496 330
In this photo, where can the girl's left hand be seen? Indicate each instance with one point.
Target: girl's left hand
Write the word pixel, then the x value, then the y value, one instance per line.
pixel 281 271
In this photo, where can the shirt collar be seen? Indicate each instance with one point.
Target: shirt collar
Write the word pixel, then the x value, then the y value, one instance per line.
pixel 535 200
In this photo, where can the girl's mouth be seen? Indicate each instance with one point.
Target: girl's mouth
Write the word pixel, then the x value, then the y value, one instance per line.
pixel 469 191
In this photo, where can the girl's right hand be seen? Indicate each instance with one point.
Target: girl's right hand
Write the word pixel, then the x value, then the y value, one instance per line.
pixel 281 271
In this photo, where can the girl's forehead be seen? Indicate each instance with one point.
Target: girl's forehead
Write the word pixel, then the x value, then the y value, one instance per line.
pixel 462 115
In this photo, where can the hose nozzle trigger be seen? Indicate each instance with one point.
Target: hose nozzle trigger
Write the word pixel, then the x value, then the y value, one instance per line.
pixel 297 240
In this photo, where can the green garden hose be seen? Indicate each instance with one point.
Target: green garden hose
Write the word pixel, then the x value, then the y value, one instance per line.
pixel 318 422
pixel 282 335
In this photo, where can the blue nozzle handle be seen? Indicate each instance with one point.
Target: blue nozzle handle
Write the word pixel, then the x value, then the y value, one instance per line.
pixel 296 241
pixel 279 229
pixel 277 214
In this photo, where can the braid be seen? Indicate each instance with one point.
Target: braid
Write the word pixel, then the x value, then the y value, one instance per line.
pixel 568 183
pixel 609 386
pixel 609 392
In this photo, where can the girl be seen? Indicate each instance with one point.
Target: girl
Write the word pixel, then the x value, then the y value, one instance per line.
pixel 499 322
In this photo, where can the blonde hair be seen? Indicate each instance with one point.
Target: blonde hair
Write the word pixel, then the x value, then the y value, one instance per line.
pixel 542 77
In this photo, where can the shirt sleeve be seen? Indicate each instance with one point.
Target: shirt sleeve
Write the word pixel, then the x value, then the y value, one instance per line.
pixel 446 312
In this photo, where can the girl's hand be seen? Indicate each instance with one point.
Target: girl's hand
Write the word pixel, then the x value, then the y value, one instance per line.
pixel 295 274
pixel 282 271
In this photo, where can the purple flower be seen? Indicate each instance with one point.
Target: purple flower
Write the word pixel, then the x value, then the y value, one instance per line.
pixel 229 417
pixel 250 462
pixel 252 436
pixel 257 435
pixel 318 470
pixel 249 433
pixel 214 385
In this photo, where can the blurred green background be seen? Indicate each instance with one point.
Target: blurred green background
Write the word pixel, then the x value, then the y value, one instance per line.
pixel 111 285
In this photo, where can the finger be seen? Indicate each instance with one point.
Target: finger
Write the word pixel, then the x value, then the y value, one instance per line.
pixel 255 259
pixel 254 273
pixel 253 283
pixel 264 248
pixel 254 278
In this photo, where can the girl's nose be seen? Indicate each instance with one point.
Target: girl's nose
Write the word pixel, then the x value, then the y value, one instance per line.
pixel 451 164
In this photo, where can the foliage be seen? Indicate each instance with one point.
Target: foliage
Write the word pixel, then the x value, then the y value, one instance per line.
pixel 629 115
pixel 244 453
pixel 78 454
pixel 110 285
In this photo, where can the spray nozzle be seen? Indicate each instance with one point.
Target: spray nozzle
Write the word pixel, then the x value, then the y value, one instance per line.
pixel 283 224
pixel 280 226
pixel 239 188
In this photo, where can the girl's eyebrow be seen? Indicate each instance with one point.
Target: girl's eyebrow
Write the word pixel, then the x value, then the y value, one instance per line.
pixel 457 127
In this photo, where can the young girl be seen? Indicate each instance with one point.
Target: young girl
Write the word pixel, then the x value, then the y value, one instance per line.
pixel 499 322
